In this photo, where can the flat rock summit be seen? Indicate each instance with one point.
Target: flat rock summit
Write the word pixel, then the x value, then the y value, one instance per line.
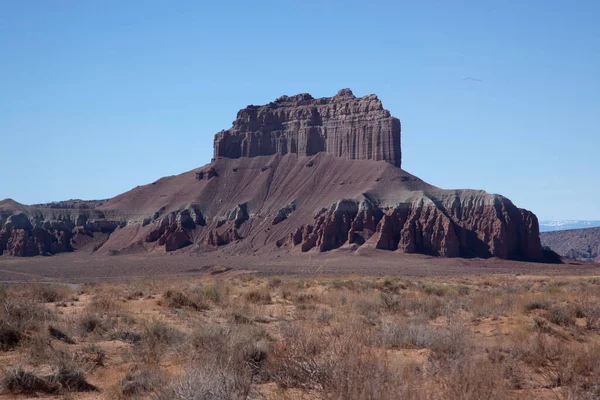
pixel 356 128
pixel 296 175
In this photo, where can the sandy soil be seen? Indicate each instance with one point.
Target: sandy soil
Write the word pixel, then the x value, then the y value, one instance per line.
pixel 81 268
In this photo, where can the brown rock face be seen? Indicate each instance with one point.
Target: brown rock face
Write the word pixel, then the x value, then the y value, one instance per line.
pixel 298 174
pixel 489 226
pixel 33 231
pixel 342 125
pixel 583 244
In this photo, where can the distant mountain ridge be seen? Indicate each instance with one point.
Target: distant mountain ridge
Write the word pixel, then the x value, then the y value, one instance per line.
pixel 582 244
pixel 552 226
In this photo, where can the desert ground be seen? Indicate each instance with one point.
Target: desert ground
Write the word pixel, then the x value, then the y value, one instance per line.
pixel 333 327
pixel 80 267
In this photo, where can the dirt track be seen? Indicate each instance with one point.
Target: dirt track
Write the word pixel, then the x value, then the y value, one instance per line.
pixel 78 268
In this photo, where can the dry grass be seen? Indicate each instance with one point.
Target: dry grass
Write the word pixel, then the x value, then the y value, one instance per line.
pixel 277 338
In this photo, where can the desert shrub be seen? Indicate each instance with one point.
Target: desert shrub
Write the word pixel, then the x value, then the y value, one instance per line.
pixel 471 378
pixel 19 381
pixel 414 334
pixel 93 356
pixel 177 299
pixel 541 325
pixel 207 337
pixel 391 286
pixel 38 348
pixel 258 296
pixel 554 287
pixel 350 285
pixel 126 336
pixel 391 302
pixel 134 295
pixel 274 282
pixel 589 309
pixel 428 306
pixel 436 290
pixel 68 375
pixel 560 315
pixel 9 337
pixel 304 298
pixel 89 322
pixel 161 332
pixel 537 305
pixel 196 297
pixel 445 342
pixel 71 378
pixel 464 290
pixel 324 316
pixel 60 335
pixel 138 381
pixel 158 338
pixel 244 345
pixel 104 303
pixel 357 372
pixel 215 292
pixel 224 359
pixel 451 342
pixel 208 382
pixel 22 313
pixel 298 360
pixel 341 366
pixel 51 293
pixel 240 317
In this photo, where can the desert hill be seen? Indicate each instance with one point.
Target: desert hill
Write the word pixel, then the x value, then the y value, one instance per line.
pixel 296 175
pixel 574 243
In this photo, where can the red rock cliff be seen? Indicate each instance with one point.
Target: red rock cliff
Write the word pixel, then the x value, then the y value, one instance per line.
pixel 342 125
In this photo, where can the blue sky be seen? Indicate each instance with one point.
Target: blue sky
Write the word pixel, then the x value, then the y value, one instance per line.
pixel 101 96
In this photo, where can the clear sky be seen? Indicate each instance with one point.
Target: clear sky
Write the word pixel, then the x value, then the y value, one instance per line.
pixel 98 97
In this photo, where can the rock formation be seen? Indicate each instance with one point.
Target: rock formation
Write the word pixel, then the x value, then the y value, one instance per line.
pixel 342 125
pixel 31 231
pixel 296 175
pixel 582 244
pixel 441 228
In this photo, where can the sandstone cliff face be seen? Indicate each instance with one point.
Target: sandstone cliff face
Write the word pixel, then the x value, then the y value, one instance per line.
pixel 342 125
pixel 299 174
pixel 489 226
pixel 26 232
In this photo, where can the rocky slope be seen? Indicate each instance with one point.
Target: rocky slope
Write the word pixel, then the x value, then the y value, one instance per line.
pixel 342 125
pixel 348 195
pixel 30 231
pixel 581 244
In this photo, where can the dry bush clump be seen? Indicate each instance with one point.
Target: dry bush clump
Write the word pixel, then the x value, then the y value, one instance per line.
pixel 60 335
pixel 196 296
pixel 139 381
pixel 9 337
pixel 89 323
pixel 19 381
pixel 104 303
pixel 178 299
pixel 242 337
pixel 51 293
pixel 67 376
pixel 260 295
pixel 157 340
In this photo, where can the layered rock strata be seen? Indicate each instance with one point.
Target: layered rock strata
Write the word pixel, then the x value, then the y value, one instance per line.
pixel 356 128
pixel 490 226
pixel 296 175
pixel 33 231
